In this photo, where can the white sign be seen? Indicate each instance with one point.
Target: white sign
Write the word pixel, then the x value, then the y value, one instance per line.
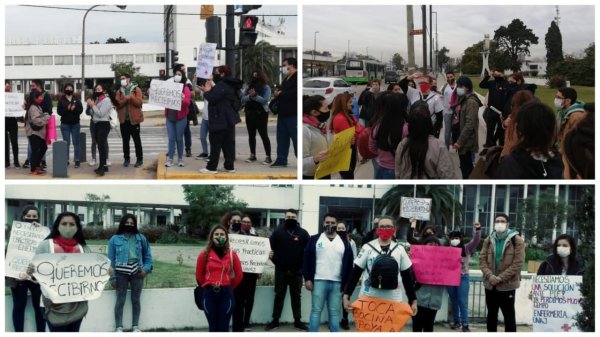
pixel 13 102
pixel 556 303
pixel 418 208
pixel 253 251
pixel 74 277
pixel 206 60
pixel 166 94
pixel 24 240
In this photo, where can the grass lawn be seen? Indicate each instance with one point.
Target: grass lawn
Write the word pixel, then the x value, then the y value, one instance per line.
pixel 171 275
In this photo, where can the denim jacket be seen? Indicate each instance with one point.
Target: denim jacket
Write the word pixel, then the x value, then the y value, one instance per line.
pixel 118 251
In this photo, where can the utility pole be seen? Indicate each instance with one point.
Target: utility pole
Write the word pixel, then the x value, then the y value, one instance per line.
pixel 230 38
pixel 424 20
pixel 431 37
pixel 167 37
pixel 410 38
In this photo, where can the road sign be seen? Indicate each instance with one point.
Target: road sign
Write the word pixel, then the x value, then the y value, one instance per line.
pixel 416 31
pixel 206 11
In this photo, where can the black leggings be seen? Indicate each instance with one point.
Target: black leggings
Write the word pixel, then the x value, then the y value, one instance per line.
pixel 10 135
pixel 424 320
pixel 258 123
pixel 38 148
pixel 350 173
pixel 101 131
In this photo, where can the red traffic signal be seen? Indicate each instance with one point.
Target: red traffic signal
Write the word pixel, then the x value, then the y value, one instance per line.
pixel 248 22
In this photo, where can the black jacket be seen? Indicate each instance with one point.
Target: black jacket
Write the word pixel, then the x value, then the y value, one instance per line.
pixel 511 91
pixel 288 97
pixel 497 91
pixel 367 103
pixel 550 266
pixel 288 249
pixel 221 113
pixel 520 164
pixel 69 116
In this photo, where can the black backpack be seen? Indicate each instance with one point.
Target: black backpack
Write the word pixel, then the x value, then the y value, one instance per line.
pixel 384 272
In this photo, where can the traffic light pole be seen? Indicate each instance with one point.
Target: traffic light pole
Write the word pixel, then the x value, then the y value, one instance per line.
pixel 230 38
pixel 167 36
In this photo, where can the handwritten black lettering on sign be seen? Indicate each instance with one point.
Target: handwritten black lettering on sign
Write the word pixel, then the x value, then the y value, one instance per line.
pixel 556 302
pixel 373 314
pixel 418 208
pixel 24 240
pixel 166 94
pixel 66 278
pixel 253 251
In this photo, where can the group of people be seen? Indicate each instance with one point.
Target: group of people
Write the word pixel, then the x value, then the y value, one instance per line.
pixel 400 130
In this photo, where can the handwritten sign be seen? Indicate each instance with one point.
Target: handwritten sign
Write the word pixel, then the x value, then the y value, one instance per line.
pixel 338 159
pixel 253 251
pixel 66 278
pixel 372 314
pixel 435 265
pixel 12 104
pixel 166 94
pixel 556 302
pixel 206 60
pixel 418 208
pixel 24 240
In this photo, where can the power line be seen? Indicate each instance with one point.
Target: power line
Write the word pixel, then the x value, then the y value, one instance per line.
pixel 136 12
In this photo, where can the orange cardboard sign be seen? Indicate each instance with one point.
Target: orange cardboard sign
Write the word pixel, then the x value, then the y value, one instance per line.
pixel 373 314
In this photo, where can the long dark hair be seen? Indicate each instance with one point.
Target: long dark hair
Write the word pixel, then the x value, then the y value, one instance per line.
pixel 33 95
pixel 458 235
pixel 210 245
pixel 28 208
pixel 258 83
pixel 311 103
pixel 391 111
pixel 536 127
pixel 556 261
pixel 78 236
pixel 419 129
pixel 122 225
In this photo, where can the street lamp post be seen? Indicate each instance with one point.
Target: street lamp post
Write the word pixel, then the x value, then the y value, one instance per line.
pixel 436 41
pixel 83 50
pixel 312 69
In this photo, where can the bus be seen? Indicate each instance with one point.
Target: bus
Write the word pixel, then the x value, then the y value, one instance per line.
pixel 362 71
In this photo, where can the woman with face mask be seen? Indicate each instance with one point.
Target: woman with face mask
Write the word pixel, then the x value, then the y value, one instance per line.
pixel 342 119
pixel 131 258
pixel 426 231
pixel 176 121
pixel 315 136
pixel 35 129
pixel 99 108
pixel 218 272
pixel 66 236
pixel 69 108
pixel 255 99
pixel 459 295
pixel 20 287
pixel 564 260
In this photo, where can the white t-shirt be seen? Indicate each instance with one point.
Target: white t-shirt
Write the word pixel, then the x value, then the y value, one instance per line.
pixel 434 101
pixel 365 259
pixel 329 256
pixel 447 94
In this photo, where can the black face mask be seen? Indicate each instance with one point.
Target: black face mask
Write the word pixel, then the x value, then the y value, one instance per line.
pixel 434 88
pixel 498 78
pixel 324 116
pixel 330 229
pixel 236 226
pixel 512 85
pixel 341 233
pixel 68 92
pixel 97 94
pixel 29 220
pixel 216 77
pixel 290 223
pixel 129 229
pixel 427 234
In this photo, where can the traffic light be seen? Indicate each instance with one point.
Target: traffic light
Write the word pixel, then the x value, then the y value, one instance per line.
pixel 174 57
pixel 213 30
pixel 248 32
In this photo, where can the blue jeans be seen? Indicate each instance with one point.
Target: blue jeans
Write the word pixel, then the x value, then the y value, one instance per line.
pixel 204 135
pixel 330 291
pixel 218 308
pixel 71 131
pixel 19 295
pixel 384 173
pixel 459 300
pixel 187 137
pixel 286 130
pixel 175 132
pixel 124 282
pixel 447 128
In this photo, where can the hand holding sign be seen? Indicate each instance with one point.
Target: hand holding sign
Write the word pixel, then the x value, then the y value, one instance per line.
pixel 373 314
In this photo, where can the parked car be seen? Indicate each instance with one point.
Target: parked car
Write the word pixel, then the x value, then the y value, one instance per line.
pixel 391 77
pixel 328 87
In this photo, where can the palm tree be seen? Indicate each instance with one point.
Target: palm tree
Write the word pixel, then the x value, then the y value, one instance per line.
pixel 444 204
pixel 261 56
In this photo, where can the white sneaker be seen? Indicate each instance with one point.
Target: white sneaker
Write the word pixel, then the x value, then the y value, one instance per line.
pixel 229 171
pixel 92 162
pixel 119 329
pixel 135 329
pixel 207 171
pixel 108 163
pixel 180 163
pixel 169 163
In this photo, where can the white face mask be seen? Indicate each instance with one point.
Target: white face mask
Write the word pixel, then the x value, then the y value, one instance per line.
pixel 500 227
pixel 558 102
pixel 563 251
pixel 455 242
pixel 285 71
pixel 460 91
pixel 124 83
pixel 177 78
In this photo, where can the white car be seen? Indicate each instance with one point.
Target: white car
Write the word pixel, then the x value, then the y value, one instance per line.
pixel 328 87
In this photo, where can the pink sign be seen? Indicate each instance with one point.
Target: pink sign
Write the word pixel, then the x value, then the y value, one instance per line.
pixel 435 265
pixel 51 130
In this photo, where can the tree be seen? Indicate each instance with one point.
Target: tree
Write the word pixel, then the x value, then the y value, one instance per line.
pixel 584 217
pixel 98 204
pixel 472 62
pixel 398 61
pixel 515 40
pixel 117 40
pixel 540 215
pixel 128 68
pixel 578 71
pixel 554 52
pixel 208 203
pixel 442 57
pixel 262 56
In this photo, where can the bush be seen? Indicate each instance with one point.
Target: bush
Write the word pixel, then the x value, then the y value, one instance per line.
pixel 557 81
pixel 535 254
pixel 153 233
pixel 266 279
pixel 168 237
pixel 98 233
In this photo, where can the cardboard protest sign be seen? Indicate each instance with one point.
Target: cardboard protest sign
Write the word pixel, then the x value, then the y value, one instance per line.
pixel 206 60
pixel 556 303
pixel 12 104
pixel 24 240
pixel 418 208
pixel 253 251
pixel 372 314
pixel 339 155
pixel 166 94
pixel 66 278
pixel 436 265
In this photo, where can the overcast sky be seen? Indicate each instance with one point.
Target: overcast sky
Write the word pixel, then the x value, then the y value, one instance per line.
pixel 43 23
pixel 382 29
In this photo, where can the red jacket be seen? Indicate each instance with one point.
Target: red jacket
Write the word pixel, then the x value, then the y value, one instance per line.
pixel 218 271
pixel 340 123
pixel 185 104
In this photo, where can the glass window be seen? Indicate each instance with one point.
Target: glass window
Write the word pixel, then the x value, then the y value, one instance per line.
pixel 63 59
pixel 89 59
pixel 144 58
pixel 500 198
pixel 124 58
pixel 8 61
pixel 43 60
pixel 160 58
pixel 23 60
pixel 104 59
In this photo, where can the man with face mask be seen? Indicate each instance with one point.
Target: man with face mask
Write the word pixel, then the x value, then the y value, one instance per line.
pixel 287 115
pixel 288 242
pixel 501 259
pixel 447 91
pixel 570 112
pixel 129 100
pixel 496 100
pixel 326 269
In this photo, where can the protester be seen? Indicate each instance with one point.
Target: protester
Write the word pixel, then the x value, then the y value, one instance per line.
pixel 35 129
pixel 218 272
pixel 255 100
pixel 570 112
pixel 176 122
pixel 19 287
pixel 493 113
pixel 578 148
pixel 100 108
pixel 131 260
pixel 467 108
pixel 192 115
pixel 204 125
pixel 459 295
pixel 129 105
pixel 10 136
pixel 429 298
pixel 288 242
pixel 315 136
pixel 564 260
pixel 46 106
pixel 366 100
pixel 66 236
pixel 435 102
pixel 425 232
pixel 395 88
pixel 533 157
pixel 326 268
pixel 287 112
pixel 447 92
pixel 510 134
pixel 516 83
pixel 372 234
pixel 421 155
pixel 344 233
pixel 500 260
pixel 341 120
pixel 69 108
